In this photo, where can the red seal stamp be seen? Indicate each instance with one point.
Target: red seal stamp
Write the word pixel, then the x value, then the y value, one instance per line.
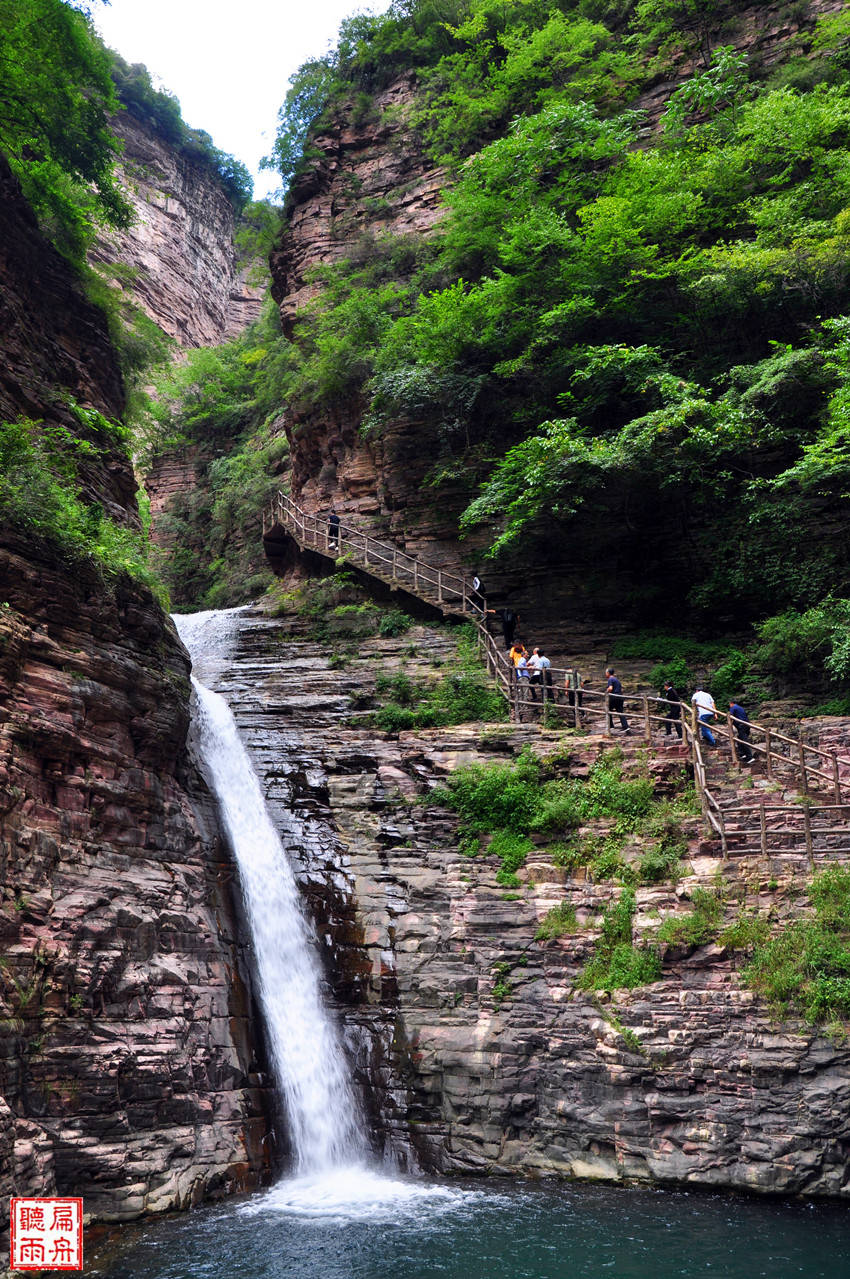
pixel 46 1234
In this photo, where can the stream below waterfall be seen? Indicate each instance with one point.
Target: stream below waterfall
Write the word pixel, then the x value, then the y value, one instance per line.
pixel 337 1217
pixel 364 1229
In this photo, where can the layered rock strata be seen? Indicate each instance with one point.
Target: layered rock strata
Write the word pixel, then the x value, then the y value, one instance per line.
pixel 370 178
pixel 128 1057
pixel 129 1068
pixel 178 259
pixel 474 1036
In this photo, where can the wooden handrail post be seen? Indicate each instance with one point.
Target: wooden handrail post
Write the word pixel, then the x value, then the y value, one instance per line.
pixel 647 723
pixel 807 824
pixel 802 752
pixel 767 754
pixel 416 577
pixel 731 728
pixel 836 779
pixel 395 565
pixel 439 586
pixel 763 825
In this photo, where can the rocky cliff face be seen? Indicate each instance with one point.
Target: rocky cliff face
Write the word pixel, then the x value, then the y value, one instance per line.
pixel 371 176
pixel 182 264
pixel 55 347
pixel 471 1036
pixel 128 1068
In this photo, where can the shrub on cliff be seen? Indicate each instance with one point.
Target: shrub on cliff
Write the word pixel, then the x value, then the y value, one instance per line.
pixel 462 696
pixel 39 496
pixel 56 100
pixel 616 962
pixel 805 969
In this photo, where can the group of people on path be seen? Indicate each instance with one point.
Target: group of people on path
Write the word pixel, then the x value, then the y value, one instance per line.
pixel 534 670
pixel 706 713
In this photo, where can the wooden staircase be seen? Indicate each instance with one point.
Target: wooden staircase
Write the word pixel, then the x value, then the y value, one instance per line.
pixel 451 594
pixel 791 807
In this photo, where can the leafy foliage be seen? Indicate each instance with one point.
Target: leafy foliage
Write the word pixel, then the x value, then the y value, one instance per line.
pixel 557 922
pixel 224 402
pixel 461 696
pixel 627 335
pixel 805 969
pixel 616 962
pixel 39 494
pixel 698 926
pixel 56 99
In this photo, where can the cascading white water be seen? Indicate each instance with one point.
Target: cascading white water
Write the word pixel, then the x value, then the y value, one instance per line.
pixel 306 1054
pixel 333 1181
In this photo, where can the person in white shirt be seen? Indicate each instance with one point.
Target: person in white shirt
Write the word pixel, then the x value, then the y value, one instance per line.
pixel 535 668
pixel 706 711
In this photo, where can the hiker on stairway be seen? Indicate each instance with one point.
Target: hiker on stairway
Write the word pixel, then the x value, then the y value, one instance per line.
pixel 333 530
pixel 523 676
pixel 706 712
pixel 741 724
pixel 509 620
pixel 518 653
pixel 535 669
pixel 673 715
pixel 614 690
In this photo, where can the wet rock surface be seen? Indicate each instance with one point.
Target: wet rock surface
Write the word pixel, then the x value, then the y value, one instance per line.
pixel 128 1067
pixel 683 1081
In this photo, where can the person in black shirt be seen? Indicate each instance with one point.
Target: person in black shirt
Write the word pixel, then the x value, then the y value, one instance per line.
pixel 509 620
pixel 673 718
pixel 614 689
pixel 333 531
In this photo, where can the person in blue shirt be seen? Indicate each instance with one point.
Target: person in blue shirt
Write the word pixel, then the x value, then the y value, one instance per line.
pixel 741 724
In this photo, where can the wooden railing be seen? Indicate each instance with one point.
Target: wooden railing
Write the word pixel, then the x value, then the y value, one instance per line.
pixel 448 591
pixel 816 772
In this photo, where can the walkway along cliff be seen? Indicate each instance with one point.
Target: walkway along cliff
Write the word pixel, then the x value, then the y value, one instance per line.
pixel 473 1028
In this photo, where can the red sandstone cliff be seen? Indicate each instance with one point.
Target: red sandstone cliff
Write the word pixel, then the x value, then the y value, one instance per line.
pixel 127 1069
pixel 184 269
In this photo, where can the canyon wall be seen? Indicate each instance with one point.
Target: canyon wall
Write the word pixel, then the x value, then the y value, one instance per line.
pixel 178 261
pixel 129 1070
pixel 471 1033
pixel 371 176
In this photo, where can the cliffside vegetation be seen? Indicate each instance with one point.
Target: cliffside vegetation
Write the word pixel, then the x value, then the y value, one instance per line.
pixel 629 326
pixel 56 100
pixel 60 91
pixel 160 112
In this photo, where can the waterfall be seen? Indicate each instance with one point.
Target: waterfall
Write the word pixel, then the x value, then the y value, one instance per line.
pixel 306 1054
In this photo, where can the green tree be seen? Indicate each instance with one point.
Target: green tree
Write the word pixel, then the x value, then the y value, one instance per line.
pixel 56 100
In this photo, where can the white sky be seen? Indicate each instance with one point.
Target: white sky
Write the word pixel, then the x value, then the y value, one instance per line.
pixel 228 63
